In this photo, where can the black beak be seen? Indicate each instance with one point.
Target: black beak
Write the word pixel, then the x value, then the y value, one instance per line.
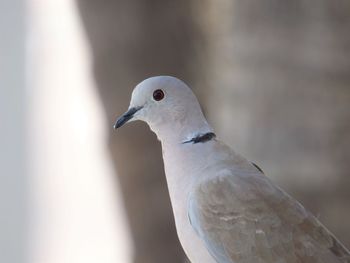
pixel 126 117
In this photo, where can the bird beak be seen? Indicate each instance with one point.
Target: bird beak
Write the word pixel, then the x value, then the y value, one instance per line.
pixel 126 117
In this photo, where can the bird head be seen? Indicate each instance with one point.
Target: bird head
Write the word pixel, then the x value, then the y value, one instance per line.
pixel 166 104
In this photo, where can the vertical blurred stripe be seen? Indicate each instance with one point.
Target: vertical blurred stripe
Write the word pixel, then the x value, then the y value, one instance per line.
pixel 76 214
pixel 13 177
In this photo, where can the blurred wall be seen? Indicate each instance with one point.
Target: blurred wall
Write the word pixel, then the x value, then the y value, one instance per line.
pixel 280 71
pixel 132 40
pixel 13 174
pixel 273 78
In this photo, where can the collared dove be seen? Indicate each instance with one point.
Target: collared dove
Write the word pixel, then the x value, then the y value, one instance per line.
pixel 226 210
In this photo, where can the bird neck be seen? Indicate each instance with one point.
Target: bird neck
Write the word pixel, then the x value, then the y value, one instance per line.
pixel 184 155
pixel 176 133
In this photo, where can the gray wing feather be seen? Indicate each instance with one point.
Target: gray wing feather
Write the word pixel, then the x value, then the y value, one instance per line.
pixel 243 218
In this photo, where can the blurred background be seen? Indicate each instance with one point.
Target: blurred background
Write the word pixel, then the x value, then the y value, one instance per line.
pixel 273 78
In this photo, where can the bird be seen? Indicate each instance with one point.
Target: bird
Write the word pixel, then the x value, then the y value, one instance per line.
pixel 226 209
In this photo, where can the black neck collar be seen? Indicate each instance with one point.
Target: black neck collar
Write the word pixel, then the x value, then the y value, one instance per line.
pixel 201 138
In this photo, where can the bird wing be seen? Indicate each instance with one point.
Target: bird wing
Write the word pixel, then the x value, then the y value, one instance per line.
pixel 242 217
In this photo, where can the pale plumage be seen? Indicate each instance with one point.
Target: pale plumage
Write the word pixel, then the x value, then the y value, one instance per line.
pixel 243 217
pixel 226 210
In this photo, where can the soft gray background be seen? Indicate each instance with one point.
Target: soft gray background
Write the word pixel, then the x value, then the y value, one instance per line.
pixel 13 175
pixel 273 78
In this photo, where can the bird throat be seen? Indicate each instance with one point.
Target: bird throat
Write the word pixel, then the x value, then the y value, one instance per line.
pixel 201 138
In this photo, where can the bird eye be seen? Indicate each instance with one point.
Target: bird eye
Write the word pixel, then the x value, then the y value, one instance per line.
pixel 158 95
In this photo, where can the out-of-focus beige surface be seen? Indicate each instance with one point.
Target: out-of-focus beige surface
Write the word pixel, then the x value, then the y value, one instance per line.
pixel 281 72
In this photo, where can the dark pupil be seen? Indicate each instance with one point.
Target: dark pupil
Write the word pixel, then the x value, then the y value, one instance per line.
pixel 158 95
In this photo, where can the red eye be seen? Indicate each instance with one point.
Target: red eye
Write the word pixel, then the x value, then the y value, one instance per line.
pixel 158 95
